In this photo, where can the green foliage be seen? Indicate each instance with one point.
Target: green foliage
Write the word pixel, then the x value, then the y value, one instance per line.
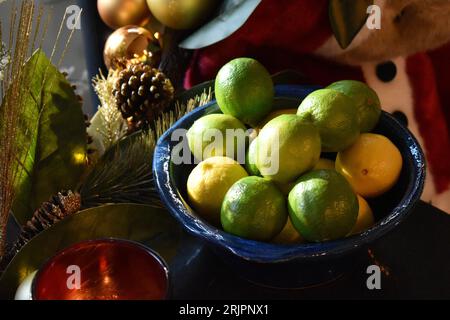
pixel 51 139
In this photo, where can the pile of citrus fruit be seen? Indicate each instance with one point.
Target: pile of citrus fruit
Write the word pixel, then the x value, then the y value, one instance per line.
pixel 285 190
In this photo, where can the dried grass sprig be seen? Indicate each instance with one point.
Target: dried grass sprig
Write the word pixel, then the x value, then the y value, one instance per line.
pixel 4 57
pixel 12 107
pixel 26 31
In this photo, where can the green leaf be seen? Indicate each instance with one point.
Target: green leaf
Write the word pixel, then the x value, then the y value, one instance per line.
pixel 140 223
pixel 347 17
pixel 51 138
pixel 233 14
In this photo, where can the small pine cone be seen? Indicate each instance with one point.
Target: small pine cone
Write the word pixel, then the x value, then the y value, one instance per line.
pixel 142 93
pixel 56 209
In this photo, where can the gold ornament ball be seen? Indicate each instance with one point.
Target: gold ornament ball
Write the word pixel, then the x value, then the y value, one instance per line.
pixel 129 42
pixel 120 13
pixel 182 14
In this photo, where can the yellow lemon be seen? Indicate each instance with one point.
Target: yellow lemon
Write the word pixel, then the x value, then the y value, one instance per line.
pixel 209 182
pixel 285 188
pixel 371 165
pixel 365 217
pixel 325 164
pixel 289 235
pixel 275 114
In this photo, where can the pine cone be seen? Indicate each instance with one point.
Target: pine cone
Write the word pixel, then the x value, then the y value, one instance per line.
pixel 141 93
pixel 56 209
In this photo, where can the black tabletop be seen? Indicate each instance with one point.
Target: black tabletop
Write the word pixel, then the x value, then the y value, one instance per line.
pixel 414 259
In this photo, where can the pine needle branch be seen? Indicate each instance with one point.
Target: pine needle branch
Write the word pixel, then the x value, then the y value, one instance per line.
pixel 124 173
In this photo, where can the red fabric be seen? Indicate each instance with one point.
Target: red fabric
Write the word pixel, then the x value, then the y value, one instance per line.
pixel 440 59
pixel 319 71
pixel 290 29
pixel 429 113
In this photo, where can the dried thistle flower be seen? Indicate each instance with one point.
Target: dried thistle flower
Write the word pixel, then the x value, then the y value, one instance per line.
pixel 112 126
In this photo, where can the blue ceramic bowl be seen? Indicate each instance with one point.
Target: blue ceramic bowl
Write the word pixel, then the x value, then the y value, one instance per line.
pixel 291 265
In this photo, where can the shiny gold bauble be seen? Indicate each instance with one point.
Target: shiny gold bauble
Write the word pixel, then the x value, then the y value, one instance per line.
pixel 120 13
pixel 182 14
pixel 130 42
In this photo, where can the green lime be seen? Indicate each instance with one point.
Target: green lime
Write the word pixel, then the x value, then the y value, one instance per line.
pixel 335 115
pixel 323 206
pixel 287 148
pixel 366 99
pixel 212 135
pixel 250 159
pixel 244 89
pixel 254 208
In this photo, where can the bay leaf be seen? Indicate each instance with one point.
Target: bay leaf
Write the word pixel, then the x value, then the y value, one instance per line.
pixel 232 15
pixel 347 17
